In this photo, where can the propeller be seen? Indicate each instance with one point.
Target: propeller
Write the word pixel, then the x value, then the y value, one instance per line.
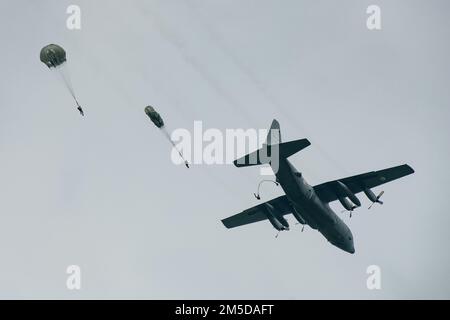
pixel 377 200
pixel 351 210
pixel 303 226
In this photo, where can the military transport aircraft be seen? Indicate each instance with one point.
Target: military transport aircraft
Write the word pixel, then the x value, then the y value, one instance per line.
pixel 309 205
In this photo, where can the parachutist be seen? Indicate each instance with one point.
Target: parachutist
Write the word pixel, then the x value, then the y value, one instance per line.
pixel 157 120
pixel 54 57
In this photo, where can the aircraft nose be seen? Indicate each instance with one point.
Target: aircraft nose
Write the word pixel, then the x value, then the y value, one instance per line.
pixel 347 244
pixel 350 247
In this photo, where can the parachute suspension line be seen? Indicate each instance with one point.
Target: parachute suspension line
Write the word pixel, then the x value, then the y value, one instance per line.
pixel 63 73
pixel 257 196
pixel 166 133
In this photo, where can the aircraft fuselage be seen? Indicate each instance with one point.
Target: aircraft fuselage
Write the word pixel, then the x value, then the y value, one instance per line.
pixel 317 214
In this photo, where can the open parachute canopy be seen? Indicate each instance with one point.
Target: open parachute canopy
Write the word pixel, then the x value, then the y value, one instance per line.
pixel 53 55
pixel 54 58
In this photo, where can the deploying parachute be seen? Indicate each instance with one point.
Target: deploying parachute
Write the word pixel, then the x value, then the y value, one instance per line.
pixel 54 58
pixel 159 122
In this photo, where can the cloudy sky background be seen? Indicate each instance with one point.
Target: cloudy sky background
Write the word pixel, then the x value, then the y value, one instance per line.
pixel 101 192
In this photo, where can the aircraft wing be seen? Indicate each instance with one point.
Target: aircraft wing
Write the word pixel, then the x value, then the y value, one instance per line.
pixel 329 191
pixel 258 213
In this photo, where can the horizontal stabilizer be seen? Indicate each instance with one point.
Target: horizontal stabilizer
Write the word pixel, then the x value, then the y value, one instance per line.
pixel 287 149
pixel 268 152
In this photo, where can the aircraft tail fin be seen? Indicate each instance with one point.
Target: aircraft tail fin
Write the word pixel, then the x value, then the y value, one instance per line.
pixel 274 134
pixel 272 148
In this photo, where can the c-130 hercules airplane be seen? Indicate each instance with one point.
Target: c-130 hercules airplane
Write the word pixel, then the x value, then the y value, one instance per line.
pixel 309 205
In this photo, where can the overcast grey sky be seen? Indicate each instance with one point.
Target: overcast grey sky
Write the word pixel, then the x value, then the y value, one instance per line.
pixel 101 192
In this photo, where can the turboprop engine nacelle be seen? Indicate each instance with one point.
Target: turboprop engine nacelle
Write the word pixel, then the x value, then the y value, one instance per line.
pixel 344 189
pixel 347 204
pixel 278 222
pixel 298 217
